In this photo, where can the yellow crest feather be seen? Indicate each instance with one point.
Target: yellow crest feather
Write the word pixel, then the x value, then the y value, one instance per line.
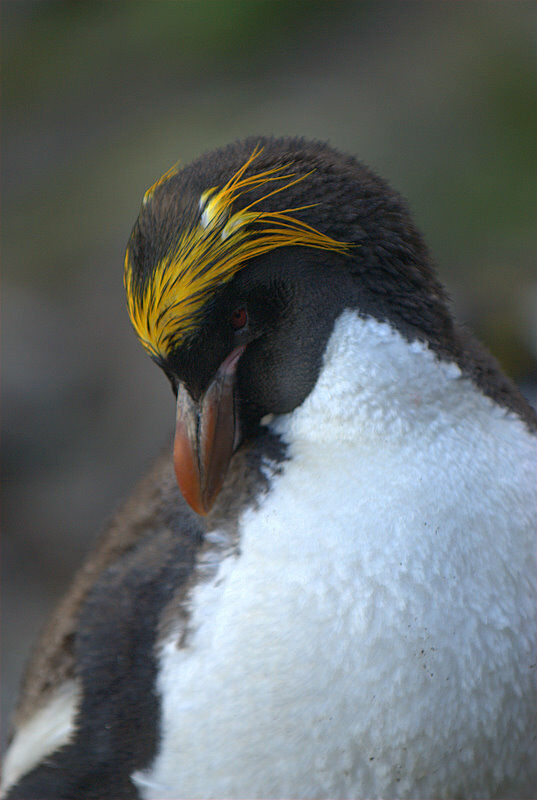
pixel 152 189
pixel 211 252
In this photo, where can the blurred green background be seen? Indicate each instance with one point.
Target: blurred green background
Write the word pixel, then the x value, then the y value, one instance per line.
pixel 100 98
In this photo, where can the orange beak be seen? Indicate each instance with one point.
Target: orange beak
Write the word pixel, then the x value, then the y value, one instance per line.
pixel 206 435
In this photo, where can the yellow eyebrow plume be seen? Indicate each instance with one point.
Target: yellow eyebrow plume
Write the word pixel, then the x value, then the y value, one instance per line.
pixel 152 189
pixel 211 252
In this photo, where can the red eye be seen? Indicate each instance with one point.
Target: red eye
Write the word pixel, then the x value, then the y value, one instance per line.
pixel 239 318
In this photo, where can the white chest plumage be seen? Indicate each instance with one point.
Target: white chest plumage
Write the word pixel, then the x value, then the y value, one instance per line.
pixel 375 634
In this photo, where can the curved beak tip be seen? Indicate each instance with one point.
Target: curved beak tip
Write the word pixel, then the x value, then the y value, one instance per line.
pixel 187 474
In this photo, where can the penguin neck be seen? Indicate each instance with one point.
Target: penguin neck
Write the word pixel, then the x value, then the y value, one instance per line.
pixel 376 386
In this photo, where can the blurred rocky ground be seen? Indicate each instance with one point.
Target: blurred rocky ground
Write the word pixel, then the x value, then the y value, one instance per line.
pixel 100 98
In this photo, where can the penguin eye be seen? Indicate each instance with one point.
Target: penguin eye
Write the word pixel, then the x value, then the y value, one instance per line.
pixel 239 318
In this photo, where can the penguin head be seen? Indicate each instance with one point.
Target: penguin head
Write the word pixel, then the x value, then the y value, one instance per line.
pixel 236 270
